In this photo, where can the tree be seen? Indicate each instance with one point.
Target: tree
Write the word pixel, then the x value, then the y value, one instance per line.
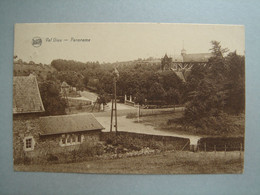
pixel 235 86
pixel 52 101
pixel 217 50
pixel 85 81
pixel 140 98
pixel 173 97
pixel 169 79
pixel 215 89
pixel 156 92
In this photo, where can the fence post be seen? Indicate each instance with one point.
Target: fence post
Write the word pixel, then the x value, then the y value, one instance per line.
pixel 215 149
pixel 205 149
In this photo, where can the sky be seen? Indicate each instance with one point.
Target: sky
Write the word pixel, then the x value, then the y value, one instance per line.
pixel 111 42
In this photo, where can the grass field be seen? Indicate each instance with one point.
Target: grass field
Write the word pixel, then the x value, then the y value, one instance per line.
pixel 163 163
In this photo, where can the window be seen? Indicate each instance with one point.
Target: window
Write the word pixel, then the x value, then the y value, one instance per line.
pixel 68 141
pixel 79 138
pixel 71 139
pixel 63 140
pixel 28 143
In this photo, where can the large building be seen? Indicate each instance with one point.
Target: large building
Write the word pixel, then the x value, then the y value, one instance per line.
pixel 184 62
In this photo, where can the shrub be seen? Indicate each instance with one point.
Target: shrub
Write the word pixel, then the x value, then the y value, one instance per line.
pixel 131 115
pixel 90 149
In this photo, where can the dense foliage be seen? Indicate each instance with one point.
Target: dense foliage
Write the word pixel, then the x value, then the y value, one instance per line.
pixel 141 79
pixel 51 98
pixel 216 90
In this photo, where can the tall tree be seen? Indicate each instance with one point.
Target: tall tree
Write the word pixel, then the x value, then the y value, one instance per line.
pixel 173 97
pixel 215 89
pixel 156 92
pixel 52 101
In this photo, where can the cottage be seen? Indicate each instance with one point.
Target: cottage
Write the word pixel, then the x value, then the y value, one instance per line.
pixel 35 135
pixel 69 130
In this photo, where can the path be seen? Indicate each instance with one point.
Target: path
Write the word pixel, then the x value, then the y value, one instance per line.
pixel 89 95
pixel 131 125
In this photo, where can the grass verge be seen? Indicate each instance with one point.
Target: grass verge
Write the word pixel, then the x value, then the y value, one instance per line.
pixel 163 163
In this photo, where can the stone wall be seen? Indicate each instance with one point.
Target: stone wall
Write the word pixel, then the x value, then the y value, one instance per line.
pixel 24 125
pixel 139 141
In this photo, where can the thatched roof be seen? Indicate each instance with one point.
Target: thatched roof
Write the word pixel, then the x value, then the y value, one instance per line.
pixel 26 95
pixel 69 124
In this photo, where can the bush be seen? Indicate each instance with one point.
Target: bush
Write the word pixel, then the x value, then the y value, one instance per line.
pixel 131 115
pixel 90 149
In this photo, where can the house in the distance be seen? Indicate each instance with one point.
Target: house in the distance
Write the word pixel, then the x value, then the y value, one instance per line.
pixel 182 64
pixel 35 136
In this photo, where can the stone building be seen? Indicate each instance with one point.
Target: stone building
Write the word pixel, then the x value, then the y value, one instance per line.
pixel 35 135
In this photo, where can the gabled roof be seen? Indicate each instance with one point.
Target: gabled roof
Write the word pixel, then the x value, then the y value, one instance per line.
pixel 69 124
pixel 26 95
pixel 197 57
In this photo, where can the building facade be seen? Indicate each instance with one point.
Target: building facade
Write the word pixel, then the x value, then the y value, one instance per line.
pixel 36 136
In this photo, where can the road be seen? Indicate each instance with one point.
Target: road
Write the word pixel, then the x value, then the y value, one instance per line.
pixel 131 125
pixel 89 95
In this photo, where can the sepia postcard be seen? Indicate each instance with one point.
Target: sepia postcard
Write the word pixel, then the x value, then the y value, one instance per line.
pixel 129 98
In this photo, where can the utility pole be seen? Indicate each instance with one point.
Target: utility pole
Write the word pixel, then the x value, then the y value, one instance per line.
pixel 114 107
pixel 64 88
pixel 138 113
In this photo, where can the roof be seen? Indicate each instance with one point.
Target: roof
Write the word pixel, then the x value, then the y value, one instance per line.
pixel 26 95
pixel 177 58
pixel 197 57
pixel 69 124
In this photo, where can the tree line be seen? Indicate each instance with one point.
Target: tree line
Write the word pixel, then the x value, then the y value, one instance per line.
pixel 215 91
pixel 209 94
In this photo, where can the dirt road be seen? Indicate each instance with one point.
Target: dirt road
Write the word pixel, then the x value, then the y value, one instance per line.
pixel 131 125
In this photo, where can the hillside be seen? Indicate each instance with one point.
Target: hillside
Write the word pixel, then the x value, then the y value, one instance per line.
pixel 23 69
